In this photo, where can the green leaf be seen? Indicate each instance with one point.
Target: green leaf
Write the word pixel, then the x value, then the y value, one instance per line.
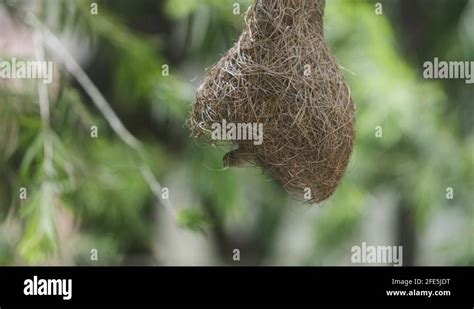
pixel 193 219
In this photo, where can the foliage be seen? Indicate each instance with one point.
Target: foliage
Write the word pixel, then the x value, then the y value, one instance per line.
pixel 427 142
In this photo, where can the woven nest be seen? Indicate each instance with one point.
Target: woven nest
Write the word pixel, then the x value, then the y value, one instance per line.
pixel 282 75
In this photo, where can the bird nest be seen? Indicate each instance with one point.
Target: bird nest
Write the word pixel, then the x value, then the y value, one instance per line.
pixel 281 77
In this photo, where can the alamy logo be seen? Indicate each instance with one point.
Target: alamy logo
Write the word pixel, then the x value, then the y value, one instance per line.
pixel 449 70
pixel 377 255
pixel 240 131
pixel 17 69
pixel 61 287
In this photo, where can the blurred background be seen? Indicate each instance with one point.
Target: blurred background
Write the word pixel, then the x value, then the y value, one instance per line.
pixel 78 188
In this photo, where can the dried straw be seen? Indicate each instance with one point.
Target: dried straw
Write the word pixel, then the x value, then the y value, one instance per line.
pixel 282 74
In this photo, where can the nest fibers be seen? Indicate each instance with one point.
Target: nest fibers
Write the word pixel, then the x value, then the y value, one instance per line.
pixel 282 76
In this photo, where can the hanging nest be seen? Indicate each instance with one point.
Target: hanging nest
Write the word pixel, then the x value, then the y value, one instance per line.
pixel 282 75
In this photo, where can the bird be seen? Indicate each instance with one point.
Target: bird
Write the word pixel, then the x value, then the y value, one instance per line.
pixel 236 158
